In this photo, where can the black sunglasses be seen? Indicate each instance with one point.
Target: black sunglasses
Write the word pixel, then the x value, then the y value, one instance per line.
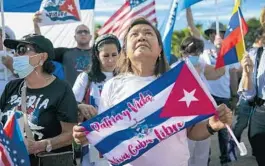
pixel 22 49
pixel 82 32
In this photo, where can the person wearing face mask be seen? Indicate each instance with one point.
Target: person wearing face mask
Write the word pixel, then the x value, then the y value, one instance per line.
pixel 192 48
pixel 88 87
pixel 48 103
pixel 141 61
pixel 224 89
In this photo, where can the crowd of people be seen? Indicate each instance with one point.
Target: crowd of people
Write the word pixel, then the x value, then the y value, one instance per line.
pixel 51 90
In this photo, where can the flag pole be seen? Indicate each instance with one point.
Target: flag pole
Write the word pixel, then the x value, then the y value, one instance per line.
pixel 217 18
pixel 241 29
pixel 3 35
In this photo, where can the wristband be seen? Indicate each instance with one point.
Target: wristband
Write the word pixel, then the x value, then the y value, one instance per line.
pixel 210 129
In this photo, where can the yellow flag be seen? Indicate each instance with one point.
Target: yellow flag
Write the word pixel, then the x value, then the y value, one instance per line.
pixel 237 4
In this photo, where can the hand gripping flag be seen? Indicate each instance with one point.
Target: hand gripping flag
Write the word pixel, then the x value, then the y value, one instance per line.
pixel 59 12
pixel 232 48
pixel 171 103
pixel 12 148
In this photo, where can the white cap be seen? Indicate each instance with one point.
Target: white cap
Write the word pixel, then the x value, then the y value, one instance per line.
pixel 9 32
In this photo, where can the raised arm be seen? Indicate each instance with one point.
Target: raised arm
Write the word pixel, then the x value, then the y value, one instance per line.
pixel 213 74
pixel 193 29
pixel 36 21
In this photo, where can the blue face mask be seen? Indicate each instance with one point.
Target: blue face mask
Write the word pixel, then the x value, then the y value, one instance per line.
pixel 21 66
pixel 194 59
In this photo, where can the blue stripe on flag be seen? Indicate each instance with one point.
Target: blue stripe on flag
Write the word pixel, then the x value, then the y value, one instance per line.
pixel 156 141
pixel 110 142
pixel 151 87
pixel 113 140
pixel 34 5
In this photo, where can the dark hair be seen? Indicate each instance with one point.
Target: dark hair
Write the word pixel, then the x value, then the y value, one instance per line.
pixel 124 63
pixel 94 73
pixel 48 67
pixel 191 45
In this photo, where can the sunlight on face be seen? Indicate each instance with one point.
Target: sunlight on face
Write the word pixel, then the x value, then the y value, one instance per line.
pixel 142 44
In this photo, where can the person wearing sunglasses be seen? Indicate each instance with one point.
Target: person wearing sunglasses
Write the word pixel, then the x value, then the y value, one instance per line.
pixel 51 107
pixel 74 60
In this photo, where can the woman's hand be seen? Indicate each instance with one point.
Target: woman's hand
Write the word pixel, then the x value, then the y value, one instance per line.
pixel 247 65
pixel 224 116
pixel 35 147
pixel 37 17
pixel 88 111
pixel 79 134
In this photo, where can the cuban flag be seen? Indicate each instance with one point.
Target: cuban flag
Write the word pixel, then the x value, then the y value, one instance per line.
pixel 12 148
pixel 61 35
pixel 53 12
pixel 171 103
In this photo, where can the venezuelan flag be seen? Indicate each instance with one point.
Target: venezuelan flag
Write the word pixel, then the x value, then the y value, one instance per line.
pixel 232 48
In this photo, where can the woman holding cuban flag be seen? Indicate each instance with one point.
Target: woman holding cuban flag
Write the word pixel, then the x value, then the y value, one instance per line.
pixel 143 61
pixel 192 48
pixel 88 86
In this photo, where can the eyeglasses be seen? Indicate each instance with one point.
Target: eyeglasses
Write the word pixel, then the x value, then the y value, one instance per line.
pixel 85 32
pixel 22 49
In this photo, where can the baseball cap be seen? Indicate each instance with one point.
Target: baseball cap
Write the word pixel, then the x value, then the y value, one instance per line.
pixel 213 28
pixel 43 44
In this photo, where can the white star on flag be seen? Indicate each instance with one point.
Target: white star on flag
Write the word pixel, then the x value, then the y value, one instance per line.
pixel 189 97
pixel 70 7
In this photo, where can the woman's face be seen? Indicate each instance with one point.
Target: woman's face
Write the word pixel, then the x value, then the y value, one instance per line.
pixel 28 50
pixel 108 56
pixel 142 44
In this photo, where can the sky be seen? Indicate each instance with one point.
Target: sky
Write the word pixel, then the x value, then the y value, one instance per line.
pixel 203 12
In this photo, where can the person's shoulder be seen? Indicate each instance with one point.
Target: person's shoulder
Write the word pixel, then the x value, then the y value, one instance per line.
pixel 14 84
pixel 61 85
pixel 116 80
pixel 82 76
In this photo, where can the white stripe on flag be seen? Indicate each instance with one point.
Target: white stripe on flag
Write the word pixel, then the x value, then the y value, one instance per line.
pixel 119 150
pixel 160 100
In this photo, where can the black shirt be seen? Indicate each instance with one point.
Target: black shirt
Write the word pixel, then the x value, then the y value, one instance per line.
pixel 46 107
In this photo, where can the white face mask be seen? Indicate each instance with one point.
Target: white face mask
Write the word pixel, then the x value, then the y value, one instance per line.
pixel 22 67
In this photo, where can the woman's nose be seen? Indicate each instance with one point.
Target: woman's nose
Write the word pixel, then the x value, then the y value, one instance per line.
pixel 141 37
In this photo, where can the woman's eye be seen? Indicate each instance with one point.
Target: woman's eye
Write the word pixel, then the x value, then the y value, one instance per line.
pixel 149 33
pixel 133 34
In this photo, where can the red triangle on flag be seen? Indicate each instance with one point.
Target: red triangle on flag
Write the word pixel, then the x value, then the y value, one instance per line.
pixel 187 97
pixel 70 7
pixel 9 127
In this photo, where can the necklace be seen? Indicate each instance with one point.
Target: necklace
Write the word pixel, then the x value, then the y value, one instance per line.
pixel 48 80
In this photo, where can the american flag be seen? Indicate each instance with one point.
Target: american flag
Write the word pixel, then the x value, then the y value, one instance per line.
pixel 131 9
pixel 12 148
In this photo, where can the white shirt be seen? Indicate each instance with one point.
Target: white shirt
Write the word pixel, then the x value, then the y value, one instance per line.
pixel 221 86
pixel 170 152
pixel 81 82
pixel 10 75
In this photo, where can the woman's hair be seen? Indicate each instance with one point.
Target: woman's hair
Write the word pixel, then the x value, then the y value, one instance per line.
pixel 124 63
pixel 94 72
pixel 48 67
pixel 191 45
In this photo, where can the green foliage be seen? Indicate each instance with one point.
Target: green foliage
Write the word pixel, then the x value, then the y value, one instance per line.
pixel 180 35
pixel 253 25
